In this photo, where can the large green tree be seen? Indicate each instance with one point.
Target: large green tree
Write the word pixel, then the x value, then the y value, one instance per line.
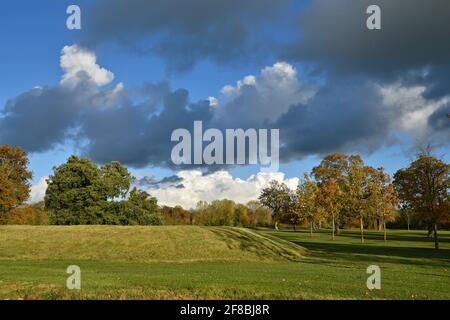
pixel 423 188
pixel 79 192
pixel 14 179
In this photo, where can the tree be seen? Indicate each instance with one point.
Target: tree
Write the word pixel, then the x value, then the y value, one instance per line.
pixel 355 183
pixel 79 192
pixel 423 189
pixel 382 199
pixel 27 215
pixel 329 194
pixel 258 214
pixel 14 179
pixel 278 198
pixel 140 209
pixel 330 177
pixel 306 206
pixel 241 217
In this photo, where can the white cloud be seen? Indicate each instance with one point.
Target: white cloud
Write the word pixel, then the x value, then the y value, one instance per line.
pixel 76 60
pixel 257 99
pixel 38 191
pixel 213 102
pixel 413 109
pixel 216 186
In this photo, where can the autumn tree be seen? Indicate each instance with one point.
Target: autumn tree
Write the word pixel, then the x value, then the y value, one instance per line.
pixel 330 175
pixel 354 195
pixel 423 189
pixel 342 181
pixel 277 197
pixel 306 206
pixel 14 179
pixel 258 214
pixel 329 194
pixel 382 199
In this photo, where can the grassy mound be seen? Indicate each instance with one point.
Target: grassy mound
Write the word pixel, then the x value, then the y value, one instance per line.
pixel 142 244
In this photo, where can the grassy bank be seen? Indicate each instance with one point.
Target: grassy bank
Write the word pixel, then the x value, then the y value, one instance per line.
pixel 218 263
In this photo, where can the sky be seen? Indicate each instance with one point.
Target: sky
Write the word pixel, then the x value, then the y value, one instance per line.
pixel 137 70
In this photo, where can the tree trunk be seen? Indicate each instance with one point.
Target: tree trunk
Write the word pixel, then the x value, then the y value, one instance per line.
pixel 436 240
pixel 362 229
pixel 295 228
pixel 276 225
pixel 311 230
pixel 407 216
pixel 385 231
pixel 334 227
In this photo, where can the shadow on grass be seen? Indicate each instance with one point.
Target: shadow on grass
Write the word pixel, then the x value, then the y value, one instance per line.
pixel 264 246
pixel 370 253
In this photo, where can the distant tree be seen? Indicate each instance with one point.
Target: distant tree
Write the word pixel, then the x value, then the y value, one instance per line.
pixel 278 198
pixel 176 215
pixel 14 179
pixel 258 214
pixel 382 199
pixel 329 195
pixel 222 212
pixel 79 192
pixel 330 176
pixel 423 189
pixel 27 215
pixel 306 207
pixel 241 217
pixel 354 191
pixel 139 209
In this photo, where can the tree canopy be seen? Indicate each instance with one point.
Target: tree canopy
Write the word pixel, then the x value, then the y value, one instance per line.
pixel 14 179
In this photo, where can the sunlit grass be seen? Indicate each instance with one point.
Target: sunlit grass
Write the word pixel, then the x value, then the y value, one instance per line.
pixel 219 263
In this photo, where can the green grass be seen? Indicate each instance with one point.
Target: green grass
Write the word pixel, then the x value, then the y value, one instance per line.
pixel 218 263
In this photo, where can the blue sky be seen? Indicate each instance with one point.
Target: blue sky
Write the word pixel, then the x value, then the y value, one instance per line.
pixel 34 33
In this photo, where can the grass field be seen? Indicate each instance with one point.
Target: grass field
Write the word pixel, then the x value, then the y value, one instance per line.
pixel 218 263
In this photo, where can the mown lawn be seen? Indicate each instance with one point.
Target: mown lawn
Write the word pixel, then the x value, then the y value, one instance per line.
pixel 174 263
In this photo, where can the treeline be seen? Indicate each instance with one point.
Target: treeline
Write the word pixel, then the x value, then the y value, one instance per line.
pixel 343 192
pixel 340 192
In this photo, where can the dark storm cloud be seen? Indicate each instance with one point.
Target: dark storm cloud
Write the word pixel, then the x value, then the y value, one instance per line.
pixel 415 36
pixel 136 137
pixel 39 119
pixel 152 182
pixel 439 124
pixel 105 124
pixel 342 117
pixel 182 32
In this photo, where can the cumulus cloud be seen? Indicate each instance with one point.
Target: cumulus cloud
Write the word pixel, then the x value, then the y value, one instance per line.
pixel 38 190
pixel 258 100
pixel 78 63
pixel 413 109
pixel 184 32
pixel 192 186
pixel 45 116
